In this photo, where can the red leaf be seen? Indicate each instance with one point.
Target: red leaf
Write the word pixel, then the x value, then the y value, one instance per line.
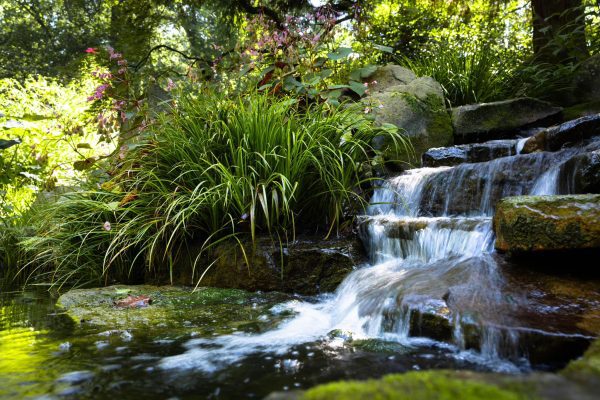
pixel 134 302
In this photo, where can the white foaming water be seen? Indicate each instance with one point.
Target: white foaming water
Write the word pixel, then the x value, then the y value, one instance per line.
pixel 547 183
pixel 521 144
pixel 419 264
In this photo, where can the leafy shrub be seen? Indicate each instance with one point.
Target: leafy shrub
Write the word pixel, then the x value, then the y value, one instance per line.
pixel 215 167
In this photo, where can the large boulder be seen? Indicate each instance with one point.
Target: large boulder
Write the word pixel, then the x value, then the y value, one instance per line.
pixel 501 119
pixel 307 266
pixel 389 75
pixel 415 105
pixel 568 133
pixel 547 223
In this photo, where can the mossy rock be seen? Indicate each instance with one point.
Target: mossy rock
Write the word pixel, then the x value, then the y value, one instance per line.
pixel 307 266
pixel 427 385
pixel 547 223
pixel 581 110
pixel 172 308
pixel 586 370
pixel 418 110
pixel 388 76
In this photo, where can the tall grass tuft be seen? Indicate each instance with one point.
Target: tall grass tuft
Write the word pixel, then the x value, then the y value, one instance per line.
pixel 213 168
pixel 469 73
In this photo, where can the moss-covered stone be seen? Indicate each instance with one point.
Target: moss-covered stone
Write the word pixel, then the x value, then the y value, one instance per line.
pixel 389 75
pixel 586 369
pixel 581 110
pixel 304 267
pixel 172 308
pixel 418 109
pixel 439 385
pixel 502 119
pixel 543 223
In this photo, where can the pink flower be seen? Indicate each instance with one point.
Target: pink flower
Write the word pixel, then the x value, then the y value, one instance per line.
pixel 106 226
pixel 122 62
pixel 170 85
pixel 90 50
pixel 121 71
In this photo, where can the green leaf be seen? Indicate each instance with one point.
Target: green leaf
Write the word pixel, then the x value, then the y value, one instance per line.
pixel 5 144
pixel 385 49
pixel 363 73
pixel 265 71
pixel 112 206
pixel 340 53
pixel 84 146
pixel 320 61
pixel 332 94
pixel 82 165
pixel 290 83
pixel 357 88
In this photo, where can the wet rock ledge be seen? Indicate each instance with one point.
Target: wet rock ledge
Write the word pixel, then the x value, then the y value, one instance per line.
pixel 547 223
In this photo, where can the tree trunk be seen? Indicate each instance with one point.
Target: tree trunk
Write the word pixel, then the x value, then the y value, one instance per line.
pixel 558 30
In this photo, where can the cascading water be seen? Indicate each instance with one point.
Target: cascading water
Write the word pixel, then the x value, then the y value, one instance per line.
pixel 429 236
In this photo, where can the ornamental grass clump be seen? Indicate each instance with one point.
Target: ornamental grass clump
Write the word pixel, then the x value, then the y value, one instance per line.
pixel 214 168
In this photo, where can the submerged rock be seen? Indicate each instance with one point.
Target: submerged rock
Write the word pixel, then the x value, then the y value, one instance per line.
pixel 173 308
pixel 500 120
pixel 307 266
pixel 547 223
pixel 416 106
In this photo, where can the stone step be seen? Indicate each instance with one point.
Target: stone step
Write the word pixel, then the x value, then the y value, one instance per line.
pixel 469 153
pixel 564 135
pixel 405 228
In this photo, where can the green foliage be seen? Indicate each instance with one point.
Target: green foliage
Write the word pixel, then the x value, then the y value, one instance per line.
pixel 215 167
pixel 45 128
pixel 469 72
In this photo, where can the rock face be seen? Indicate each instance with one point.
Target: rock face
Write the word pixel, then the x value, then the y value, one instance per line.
pixel 571 132
pixel 547 223
pixel 469 153
pixel 415 105
pixel 502 119
pixel 304 267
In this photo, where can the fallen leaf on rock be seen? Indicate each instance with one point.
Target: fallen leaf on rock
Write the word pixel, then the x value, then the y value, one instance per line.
pixel 134 302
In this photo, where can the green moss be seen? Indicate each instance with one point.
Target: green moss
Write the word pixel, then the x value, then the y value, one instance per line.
pixel 581 110
pixel 587 366
pixel 439 385
pixel 536 223
pixel 176 309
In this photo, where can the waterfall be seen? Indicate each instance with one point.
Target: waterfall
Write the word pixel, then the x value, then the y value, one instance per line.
pixel 428 233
